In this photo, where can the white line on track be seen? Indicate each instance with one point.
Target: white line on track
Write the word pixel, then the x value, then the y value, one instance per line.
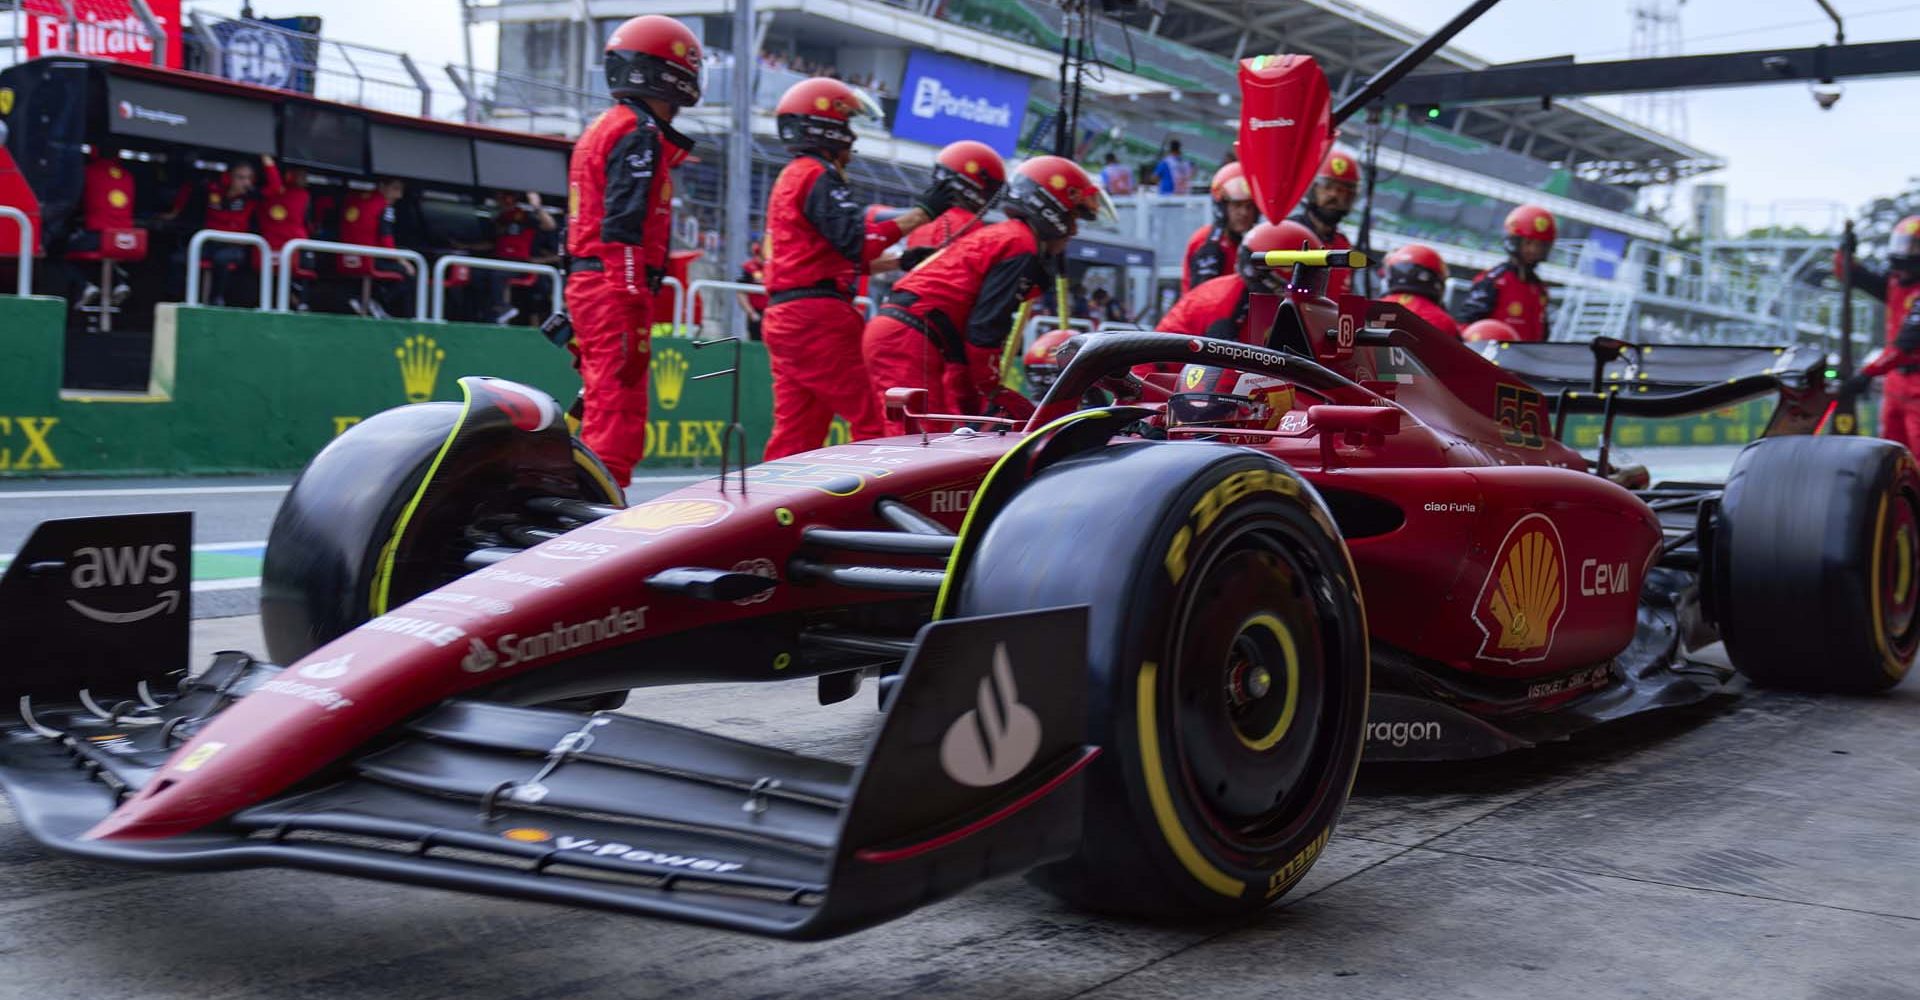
pixel 7 557
pixel 157 491
pixel 238 583
pixel 165 491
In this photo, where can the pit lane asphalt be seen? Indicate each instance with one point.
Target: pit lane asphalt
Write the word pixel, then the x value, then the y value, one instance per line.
pixel 1757 848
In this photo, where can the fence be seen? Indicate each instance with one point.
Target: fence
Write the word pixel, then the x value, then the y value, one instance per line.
pixel 439 309
pixel 24 286
pixel 206 236
pixel 292 247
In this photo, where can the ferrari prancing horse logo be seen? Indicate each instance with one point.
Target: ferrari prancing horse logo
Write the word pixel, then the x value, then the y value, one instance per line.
pixel 1525 595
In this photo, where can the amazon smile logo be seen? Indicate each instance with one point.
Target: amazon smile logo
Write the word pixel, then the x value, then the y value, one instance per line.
pixel 114 567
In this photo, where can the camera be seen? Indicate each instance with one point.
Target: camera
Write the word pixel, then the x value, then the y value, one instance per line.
pixel 1826 93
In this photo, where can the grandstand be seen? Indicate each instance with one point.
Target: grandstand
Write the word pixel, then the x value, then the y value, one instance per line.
pixel 1446 180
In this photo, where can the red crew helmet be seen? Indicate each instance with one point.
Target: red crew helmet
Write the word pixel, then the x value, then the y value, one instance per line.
pixel 1042 360
pixel 972 171
pixel 1417 268
pixel 1230 184
pixel 1489 329
pixel 817 113
pixel 1530 222
pixel 1283 235
pixel 1903 247
pixel 1050 192
pixel 1340 166
pixel 653 56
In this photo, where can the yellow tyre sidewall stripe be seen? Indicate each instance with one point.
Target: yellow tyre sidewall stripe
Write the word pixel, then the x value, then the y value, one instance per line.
pixel 1146 696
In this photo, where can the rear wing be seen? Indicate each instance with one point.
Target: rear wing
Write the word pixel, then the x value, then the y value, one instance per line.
pixel 1614 378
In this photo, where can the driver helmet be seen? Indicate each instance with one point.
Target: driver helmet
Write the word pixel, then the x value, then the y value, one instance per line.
pixel 1227 397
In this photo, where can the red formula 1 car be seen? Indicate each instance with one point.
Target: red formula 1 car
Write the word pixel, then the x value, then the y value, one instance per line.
pixel 1136 649
pixel 1125 647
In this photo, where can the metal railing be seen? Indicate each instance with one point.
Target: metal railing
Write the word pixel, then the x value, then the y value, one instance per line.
pixel 679 303
pixel 206 236
pixel 683 317
pixel 284 301
pixel 24 284
pixel 438 312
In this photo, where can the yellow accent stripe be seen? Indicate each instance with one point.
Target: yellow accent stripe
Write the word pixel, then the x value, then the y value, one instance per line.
pixel 1292 654
pixel 1889 662
pixel 1314 258
pixel 966 523
pixel 1013 347
pixel 1163 812
pixel 383 575
pixel 599 475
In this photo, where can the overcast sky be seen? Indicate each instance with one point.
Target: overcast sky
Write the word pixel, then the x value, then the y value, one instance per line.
pixel 1782 149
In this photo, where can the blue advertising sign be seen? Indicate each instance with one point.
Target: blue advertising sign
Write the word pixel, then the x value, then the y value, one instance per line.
pixel 943 99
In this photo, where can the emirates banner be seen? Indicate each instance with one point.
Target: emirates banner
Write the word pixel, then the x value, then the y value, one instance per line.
pixel 106 29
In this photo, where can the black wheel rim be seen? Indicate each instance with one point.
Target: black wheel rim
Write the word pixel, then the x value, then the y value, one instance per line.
pixel 1250 689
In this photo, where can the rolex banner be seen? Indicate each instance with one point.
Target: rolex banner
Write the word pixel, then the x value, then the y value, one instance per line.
pixel 241 391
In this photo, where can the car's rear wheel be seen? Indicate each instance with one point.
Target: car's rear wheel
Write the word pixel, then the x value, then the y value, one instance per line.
pixel 1817 563
pixel 1228 664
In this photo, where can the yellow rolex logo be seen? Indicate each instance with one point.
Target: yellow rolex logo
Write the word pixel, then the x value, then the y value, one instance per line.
pixel 420 361
pixel 669 369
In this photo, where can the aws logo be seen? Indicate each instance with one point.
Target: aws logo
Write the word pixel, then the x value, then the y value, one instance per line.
pixel 420 359
pixel 112 567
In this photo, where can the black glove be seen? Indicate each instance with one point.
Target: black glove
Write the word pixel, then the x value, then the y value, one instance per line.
pixel 913 257
pixel 935 200
pixel 1856 385
pixel 654 277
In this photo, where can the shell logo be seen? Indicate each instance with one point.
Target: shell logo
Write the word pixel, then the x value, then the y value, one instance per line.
pixel 973 166
pixel 1515 309
pixel 1541 224
pixel 1057 181
pixel 277 213
pixel 118 199
pixel 527 835
pixel 116 173
pixel 667 515
pixel 1524 597
pixel 1910 226
pixel 352 214
pixel 680 49
pixel 821 104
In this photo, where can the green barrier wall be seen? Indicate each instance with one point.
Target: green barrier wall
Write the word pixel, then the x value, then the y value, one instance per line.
pixel 242 391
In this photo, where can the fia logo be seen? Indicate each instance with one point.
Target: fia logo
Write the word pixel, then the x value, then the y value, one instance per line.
pixel 115 566
pixel 420 359
pixel 998 738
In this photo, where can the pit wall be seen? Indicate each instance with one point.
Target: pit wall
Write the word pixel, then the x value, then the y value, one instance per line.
pixel 238 391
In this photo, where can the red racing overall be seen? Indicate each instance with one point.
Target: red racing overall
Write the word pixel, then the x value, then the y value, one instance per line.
pixel 619 215
pixel 946 321
pixel 283 209
pixel 1215 308
pixel 1428 310
pixel 819 243
pixel 937 233
pixel 1211 251
pixel 1900 362
pixel 1502 293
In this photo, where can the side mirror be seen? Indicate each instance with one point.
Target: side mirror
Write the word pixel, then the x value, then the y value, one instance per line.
pixel 1360 425
pixel 905 404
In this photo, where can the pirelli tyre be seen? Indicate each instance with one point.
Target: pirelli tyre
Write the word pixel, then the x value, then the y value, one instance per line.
pixel 1227 655
pixel 1815 563
pixel 388 510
